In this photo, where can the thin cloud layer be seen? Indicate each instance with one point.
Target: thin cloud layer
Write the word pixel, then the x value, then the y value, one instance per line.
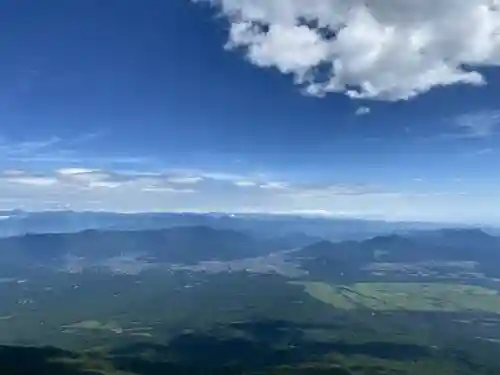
pixel 368 49
pixel 136 191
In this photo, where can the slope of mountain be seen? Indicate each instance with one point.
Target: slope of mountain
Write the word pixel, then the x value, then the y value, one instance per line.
pixel 445 244
pixel 189 245
pixel 173 245
pixel 445 247
pixel 193 354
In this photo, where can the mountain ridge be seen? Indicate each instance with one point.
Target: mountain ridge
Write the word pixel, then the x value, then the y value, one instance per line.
pixel 178 244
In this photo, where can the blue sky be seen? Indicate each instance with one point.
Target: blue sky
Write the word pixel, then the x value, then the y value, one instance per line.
pixel 244 106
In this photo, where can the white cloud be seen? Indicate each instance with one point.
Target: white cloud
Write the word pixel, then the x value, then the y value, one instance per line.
pixel 196 175
pixel 274 186
pixel 75 171
pixel 370 49
pixel 185 180
pixel 31 180
pixel 245 183
pixel 86 177
pixel 306 212
pixel 157 189
pixel 13 172
pixel 221 176
pixel 127 191
pixel 361 111
pixel 104 184
pixel 27 147
pixel 333 191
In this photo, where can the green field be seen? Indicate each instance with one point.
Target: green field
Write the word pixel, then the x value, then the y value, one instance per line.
pixel 406 296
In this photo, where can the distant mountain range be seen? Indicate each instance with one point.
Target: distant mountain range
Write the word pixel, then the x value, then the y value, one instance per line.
pixel 439 246
pixel 444 244
pixel 184 245
pixel 194 244
pixel 16 222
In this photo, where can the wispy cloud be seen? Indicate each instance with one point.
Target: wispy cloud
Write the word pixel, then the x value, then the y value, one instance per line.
pixel 155 189
pixel 75 171
pixel 244 183
pixel 362 111
pixel 275 185
pixel 237 179
pixel 330 191
pixel 180 180
pixel 31 180
pixel 479 152
pixel 221 176
pixel 57 150
pixel 472 125
pixel 86 138
pixel 11 149
pixel 86 188
pixel 485 151
pixel 479 124
pixel 103 184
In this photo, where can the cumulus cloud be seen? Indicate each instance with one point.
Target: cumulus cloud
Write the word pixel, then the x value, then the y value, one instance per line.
pixel 368 49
